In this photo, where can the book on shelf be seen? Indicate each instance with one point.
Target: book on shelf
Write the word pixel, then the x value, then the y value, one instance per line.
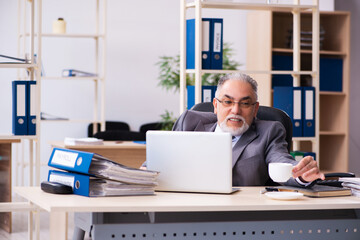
pixel 317 191
pixel 90 186
pixel 98 166
pixel 77 73
pixel 83 141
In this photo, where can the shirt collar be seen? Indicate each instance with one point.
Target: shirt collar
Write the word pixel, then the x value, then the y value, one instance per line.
pixel 234 138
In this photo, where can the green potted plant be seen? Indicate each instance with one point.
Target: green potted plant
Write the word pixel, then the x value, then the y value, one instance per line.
pixel 169 71
pixel 169 78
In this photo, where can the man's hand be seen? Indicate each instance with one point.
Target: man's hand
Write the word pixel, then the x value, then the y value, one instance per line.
pixel 307 170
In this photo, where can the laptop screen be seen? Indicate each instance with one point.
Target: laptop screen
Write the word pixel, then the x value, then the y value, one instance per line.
pixel 190 161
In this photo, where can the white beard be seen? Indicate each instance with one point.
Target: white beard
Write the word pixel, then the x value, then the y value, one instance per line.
pixel 234 131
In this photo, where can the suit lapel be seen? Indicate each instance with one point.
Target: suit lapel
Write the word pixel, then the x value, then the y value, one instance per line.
pixel 209 127
pixel 245 139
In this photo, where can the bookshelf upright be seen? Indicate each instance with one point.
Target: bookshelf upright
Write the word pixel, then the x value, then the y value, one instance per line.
pixel 259 64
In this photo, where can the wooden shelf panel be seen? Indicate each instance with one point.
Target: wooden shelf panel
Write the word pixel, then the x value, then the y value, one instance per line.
pixel 251 6
pixel 15 138
pixel 67 35
pixel 279 72
pixel 72 78
pixel 17 65
pixel 334 153
pixel 326 93
pixel 332 133
pixel 71 120
pixel 308 51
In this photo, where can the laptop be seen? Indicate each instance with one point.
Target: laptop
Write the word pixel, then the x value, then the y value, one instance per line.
pixel 190 161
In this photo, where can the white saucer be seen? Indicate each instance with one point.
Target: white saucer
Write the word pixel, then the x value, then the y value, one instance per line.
pixel 284 195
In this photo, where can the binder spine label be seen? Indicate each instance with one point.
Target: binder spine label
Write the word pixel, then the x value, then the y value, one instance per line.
pixel 33 99
pixel 66 180
pixel 297 104
pixel 217 37
pixel 207 95
pixel 309 105
pixel 20 105
pixel 205 36
pixel 62 158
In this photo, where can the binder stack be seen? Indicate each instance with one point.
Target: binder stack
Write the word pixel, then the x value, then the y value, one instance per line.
pixel 211 46
pixel 93 175
pixel 23 106
pixel 299 104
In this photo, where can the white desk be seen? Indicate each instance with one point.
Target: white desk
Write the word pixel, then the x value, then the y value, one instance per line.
pixel 248 199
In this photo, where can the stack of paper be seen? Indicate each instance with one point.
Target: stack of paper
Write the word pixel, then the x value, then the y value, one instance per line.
pixel 353 183
pixel 90 174
pixel 83 141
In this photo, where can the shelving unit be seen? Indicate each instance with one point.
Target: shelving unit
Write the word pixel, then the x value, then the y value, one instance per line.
pixel 99 38
pixel 7 139
pixel 258 63
pixel 44 36
pixel 198 6
pixel 332 107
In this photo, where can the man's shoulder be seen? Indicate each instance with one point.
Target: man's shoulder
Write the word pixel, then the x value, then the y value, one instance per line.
pixel 191 120
pixel 200 115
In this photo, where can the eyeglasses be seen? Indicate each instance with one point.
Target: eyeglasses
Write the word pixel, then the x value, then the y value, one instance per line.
pixel 230 103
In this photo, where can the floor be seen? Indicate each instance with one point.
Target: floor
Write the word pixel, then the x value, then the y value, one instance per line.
pixel 20 227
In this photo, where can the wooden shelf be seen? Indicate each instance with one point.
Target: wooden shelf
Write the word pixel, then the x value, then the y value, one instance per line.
pixel 251 6
pixel 305 51
pixel 16 138
pixel 332 133
pixel 268 33
pixel 71 121
pixel 192 71
pixel 72 78
pixel 68 35
pixel 340 94
pixel 17 65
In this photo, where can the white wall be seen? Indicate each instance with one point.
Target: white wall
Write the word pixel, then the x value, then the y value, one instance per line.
pixel 138 33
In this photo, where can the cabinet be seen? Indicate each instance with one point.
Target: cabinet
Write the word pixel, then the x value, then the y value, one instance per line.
pixel 272 28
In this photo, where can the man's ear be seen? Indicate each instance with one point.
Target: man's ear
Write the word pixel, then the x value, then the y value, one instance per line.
pixel 215 102
pixel 256 108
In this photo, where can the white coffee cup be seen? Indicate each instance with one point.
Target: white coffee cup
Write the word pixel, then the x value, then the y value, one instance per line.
pixel 280 172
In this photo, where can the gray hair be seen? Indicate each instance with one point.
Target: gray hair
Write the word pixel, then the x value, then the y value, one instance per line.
pixel 238 77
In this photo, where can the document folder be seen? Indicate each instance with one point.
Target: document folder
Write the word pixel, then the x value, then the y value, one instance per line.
pixel 288 99
pixel 31 107
pixel 211 46
pixel 308 111
pixel 19 119
pixel 99 166
pixel 205 46
pixel 208 94
pixel 88 186
pixel 217 43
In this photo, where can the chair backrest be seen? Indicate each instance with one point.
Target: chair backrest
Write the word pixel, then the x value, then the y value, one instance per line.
pixel 150 126
pixel 109 125
pixel 264 113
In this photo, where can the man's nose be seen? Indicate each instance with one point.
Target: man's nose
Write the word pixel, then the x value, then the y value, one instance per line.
pixel 236 108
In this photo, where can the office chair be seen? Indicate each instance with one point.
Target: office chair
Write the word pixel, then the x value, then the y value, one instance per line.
pixel 109 125
pixel 264 113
